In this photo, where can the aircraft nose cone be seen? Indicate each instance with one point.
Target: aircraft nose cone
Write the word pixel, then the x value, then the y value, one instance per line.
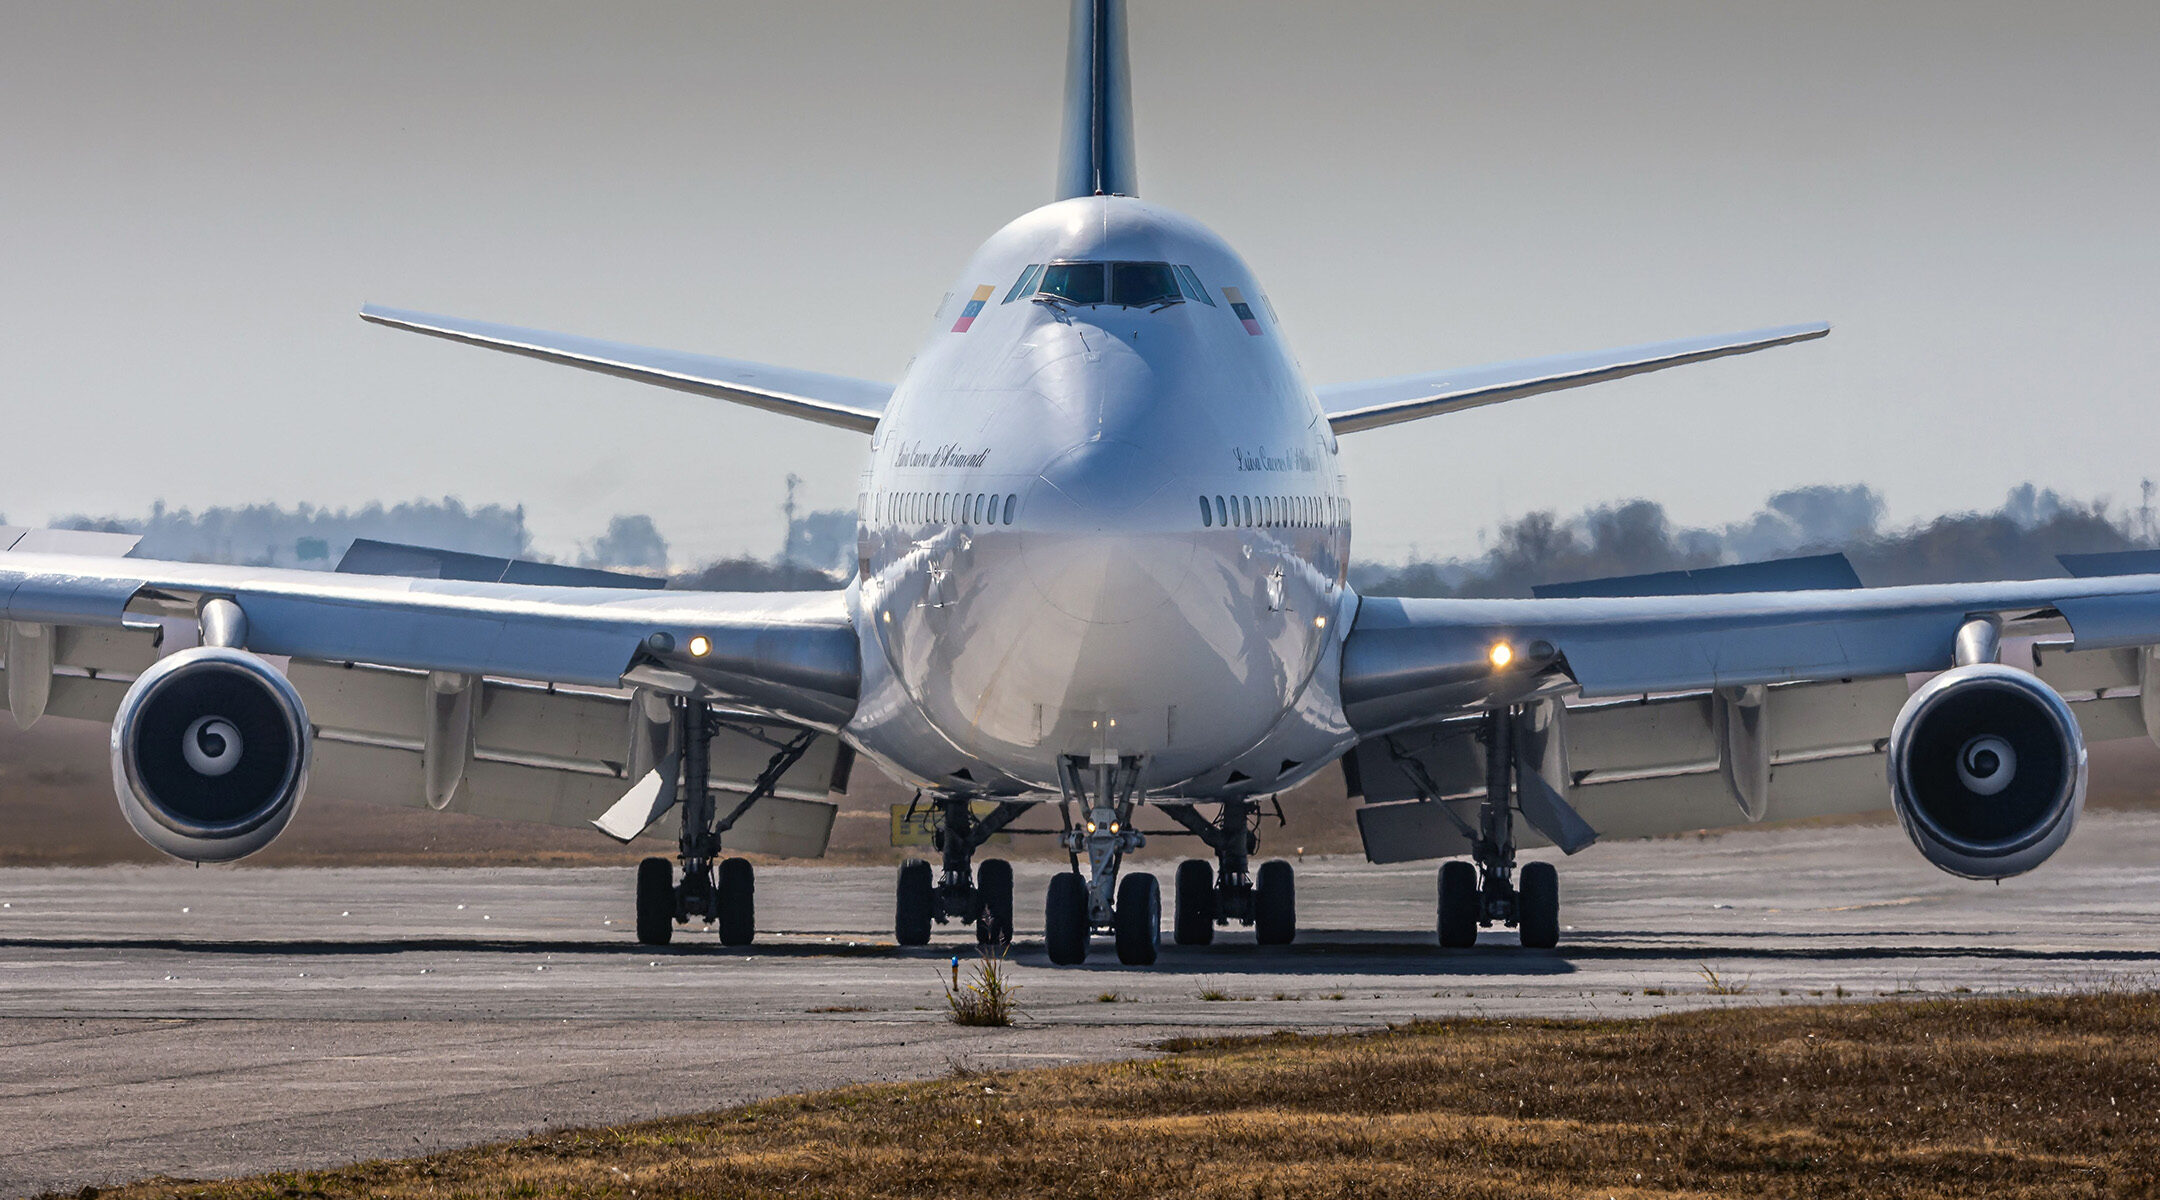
pixel 1094 483
pixel 1110 559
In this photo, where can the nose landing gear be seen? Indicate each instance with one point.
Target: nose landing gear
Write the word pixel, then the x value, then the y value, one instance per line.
pixel 1105 788
pixel 983 900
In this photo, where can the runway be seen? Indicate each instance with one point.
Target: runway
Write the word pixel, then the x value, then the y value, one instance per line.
pixel 206 1022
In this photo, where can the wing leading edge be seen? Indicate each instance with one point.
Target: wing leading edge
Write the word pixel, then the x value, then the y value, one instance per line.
pixel 1352 407
pixel 1405 659
pixel 806 395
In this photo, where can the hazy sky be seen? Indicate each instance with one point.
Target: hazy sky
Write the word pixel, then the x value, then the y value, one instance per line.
pixel 196 198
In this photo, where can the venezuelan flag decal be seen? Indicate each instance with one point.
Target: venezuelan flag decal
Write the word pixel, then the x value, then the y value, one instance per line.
pixel 1242 309
pixel 974 308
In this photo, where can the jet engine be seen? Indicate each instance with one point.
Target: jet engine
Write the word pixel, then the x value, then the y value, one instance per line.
pixel 1987 771
pixel 210 754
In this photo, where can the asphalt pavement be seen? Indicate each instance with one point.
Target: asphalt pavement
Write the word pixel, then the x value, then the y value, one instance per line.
pixel 216 1021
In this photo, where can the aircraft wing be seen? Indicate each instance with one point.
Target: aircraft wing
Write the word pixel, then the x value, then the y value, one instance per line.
pixel 558 697
pixel 807 395
pixel 1634 686
pixel 790 654
pixel 1373 403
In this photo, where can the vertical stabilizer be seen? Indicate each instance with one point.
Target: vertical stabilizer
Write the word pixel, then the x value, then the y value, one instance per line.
pixel 1096 156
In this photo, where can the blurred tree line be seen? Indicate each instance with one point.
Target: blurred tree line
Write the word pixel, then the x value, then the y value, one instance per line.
pixel 2017 541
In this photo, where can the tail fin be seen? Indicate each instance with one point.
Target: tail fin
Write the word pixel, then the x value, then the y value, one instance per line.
pixel 1096 157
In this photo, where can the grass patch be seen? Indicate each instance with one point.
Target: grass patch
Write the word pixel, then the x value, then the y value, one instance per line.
pixel 987 998
pixel 1935 1098
pixel 1721 985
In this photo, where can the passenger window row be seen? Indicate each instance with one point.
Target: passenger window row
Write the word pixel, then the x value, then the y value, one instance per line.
pixel 1269 512
pixel 943 508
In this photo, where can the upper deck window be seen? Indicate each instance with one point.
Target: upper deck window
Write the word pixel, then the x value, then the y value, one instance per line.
pixel 1191 283
pixel 1025 284
pixel 1143 284
pixel 1125 284
pixel 1074 283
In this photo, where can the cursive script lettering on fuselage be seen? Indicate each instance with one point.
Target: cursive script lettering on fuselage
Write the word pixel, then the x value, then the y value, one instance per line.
pixel 1261 460
pixel 911 454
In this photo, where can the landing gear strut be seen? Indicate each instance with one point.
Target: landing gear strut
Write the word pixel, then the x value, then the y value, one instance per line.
pixel 1486 893
pixel 1207 897
pixel 720 890
pixel 983 900
pixel 1105 789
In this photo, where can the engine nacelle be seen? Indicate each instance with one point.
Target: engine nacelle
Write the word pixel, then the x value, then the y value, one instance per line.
pixel 210 753
pixel 1987 771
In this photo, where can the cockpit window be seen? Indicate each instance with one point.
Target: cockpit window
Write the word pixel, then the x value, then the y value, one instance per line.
pixel 1025 284
pixel 1074 283
pixel 1125 284
pixel 1143 284
pixel 1190 282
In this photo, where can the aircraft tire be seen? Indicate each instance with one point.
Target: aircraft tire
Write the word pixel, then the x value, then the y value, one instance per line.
pixel 655 902
pixel 1193 916
pixel 1275 903
pixel 1065 919
pixel 738 902
pixel 1537 905
pixel 911 904
pixel 1139 920
pixel 994 884
pixel 1459 905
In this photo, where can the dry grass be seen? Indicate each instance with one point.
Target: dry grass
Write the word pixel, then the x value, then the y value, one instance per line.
pixel 2053 1097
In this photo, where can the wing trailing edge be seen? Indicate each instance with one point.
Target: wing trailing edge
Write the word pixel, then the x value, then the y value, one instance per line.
pixel 1352 407
pixel 805 395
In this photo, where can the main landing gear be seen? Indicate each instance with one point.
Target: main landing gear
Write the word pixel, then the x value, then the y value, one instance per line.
pixel 1482 892
pixel 985 901
pixel 719 890
pixel 1105 789
pixel 1228 891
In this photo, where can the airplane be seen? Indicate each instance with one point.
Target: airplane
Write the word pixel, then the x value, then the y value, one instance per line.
pixel 1103 543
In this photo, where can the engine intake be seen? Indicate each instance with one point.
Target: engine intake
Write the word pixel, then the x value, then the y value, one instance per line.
pixel 1987 771
pixel 210 753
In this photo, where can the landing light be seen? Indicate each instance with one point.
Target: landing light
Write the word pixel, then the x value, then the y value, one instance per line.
pixel 700 646
pixel 1502 655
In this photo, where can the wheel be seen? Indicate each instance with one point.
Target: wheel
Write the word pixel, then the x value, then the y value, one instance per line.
pixel 1138 920
pixel 1194 916
pixel 655 901
pixel 1065 919
pixel 993 883
pixel 911 904
pixel 1537 905
pixel 738 902
pixel 1275 903
pixel 1460 905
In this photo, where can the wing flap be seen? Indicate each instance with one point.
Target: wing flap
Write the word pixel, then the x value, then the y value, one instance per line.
pixel 806 395
pixel 1353 407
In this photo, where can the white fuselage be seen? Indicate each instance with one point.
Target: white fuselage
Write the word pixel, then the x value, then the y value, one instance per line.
pixel 1055 553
